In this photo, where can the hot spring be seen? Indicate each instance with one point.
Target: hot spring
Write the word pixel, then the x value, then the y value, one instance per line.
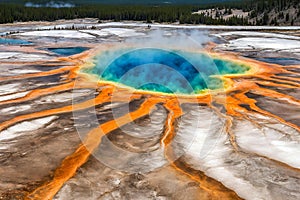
pixel 68 51
pixel 11 41
pixel 166 71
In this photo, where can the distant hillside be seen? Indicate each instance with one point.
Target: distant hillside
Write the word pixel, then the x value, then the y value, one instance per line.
pixel 121 2
pixel 249 12
pixel 276 12
pixel 257 12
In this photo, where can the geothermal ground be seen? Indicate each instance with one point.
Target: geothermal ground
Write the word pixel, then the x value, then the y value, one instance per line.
pixel 66 133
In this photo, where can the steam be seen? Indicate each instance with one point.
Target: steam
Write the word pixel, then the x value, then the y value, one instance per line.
pixel 163 59
pixel 51 4
pixel 173 39
pixel 188 43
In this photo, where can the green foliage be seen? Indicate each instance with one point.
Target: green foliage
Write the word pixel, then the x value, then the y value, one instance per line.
pixel 153 13
pixel 123 2
pixel 183 14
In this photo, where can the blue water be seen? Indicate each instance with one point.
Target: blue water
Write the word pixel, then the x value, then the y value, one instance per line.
pixel 163 71
pixel 9 41
pixel 68 51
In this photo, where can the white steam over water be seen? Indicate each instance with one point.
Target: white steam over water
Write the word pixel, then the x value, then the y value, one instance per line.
pixel 177 39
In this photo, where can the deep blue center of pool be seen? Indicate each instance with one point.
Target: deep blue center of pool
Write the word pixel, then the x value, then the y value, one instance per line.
pixel 164 71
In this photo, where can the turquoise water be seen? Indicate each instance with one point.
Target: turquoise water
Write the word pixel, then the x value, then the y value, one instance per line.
pixel 68 51
pixel 9 41
pixel 163 71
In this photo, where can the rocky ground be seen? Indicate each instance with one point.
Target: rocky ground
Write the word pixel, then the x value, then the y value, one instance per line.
pixel 258 158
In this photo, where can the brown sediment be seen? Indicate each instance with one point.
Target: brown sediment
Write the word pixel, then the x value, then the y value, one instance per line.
pixel 272 84
pixel 40 74
pixel 36 93
pixel 228 126
pixel 277 95
pixel 215 189
pixel 251 103
pixel 278 162
pixel 233 98
pixel 239 89
pixel 288 78
pixel 41 92
pixel 278 80
pixel 233 107
pixel 103 97
pixel 69 165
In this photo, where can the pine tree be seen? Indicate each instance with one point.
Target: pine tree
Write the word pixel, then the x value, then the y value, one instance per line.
pixel 287 17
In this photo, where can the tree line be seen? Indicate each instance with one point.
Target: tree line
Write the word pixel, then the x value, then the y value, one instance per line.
pixel 161 13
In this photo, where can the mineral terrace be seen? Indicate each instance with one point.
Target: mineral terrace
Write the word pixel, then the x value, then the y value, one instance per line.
pixel 64 134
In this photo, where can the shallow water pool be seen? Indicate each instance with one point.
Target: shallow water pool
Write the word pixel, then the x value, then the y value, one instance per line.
pixel 68 51
pixel 10 41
